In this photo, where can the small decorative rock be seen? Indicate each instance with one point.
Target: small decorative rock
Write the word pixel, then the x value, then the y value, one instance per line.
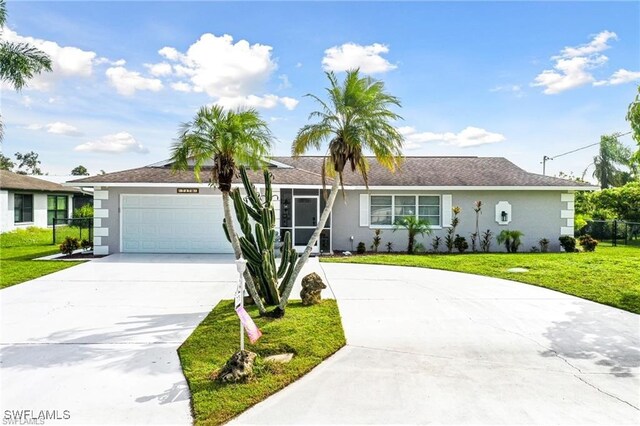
pixel 518 270
pixel 281 358
pixel 312 285
pixel 239 368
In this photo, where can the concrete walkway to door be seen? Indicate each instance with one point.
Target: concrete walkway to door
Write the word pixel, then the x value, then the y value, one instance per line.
pixel 437 347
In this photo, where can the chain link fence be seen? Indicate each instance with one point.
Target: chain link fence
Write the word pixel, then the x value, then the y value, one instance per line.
pixel 613 231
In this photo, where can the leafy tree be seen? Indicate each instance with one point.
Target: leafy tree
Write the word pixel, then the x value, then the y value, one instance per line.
pixel 355 119
pixel 633 117
pixel 229 139
pixel 6 163
pixel 414 227
pixel 30 162
pixel 80 171
pixel 19 62
pixel 611 156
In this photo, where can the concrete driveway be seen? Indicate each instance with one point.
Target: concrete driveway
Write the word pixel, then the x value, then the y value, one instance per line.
pixel 100 339
pixel 424 346
pixel 427 346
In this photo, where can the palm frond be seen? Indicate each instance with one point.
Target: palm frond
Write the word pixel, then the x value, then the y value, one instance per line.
pixel 19 62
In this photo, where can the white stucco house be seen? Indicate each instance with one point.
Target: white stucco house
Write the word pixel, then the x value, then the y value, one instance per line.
pixel 154 209
pixel 28 201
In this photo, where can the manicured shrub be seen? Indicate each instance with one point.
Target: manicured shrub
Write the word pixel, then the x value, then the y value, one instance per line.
pixel 361 248
pixel 588 243
pixel 544 245
pixel 485 242
pixel 86 245
pixel 435 244
pixel 511 239
pixel 69 245
pixel 377 239
pixel 455 221
pixel 568 243
pixel 460 243
pixel 419 248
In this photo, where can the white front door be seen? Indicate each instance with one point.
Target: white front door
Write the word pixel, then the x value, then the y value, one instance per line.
pixel 172 224
pixel 306 212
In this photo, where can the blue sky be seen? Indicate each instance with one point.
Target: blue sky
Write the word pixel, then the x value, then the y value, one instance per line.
pixel 519 80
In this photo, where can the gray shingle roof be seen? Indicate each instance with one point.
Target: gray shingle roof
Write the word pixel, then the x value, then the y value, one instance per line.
pixel 415 171
pixel 9 180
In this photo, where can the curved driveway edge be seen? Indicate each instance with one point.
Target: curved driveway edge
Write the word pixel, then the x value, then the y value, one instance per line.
pixel 431 346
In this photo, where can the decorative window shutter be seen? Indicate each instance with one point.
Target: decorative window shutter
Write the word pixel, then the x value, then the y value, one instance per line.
pixel 364 209
pixel 447 205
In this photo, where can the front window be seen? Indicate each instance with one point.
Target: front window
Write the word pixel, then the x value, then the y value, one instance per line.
pixel 381 210
pixel 57 208
pixel 390 209
pixel 23 208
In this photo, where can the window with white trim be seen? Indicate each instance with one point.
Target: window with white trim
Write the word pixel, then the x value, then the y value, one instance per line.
pixel 389 209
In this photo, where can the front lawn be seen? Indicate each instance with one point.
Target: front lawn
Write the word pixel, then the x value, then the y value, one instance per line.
pixel 610 275
pixel 312 333
pixel 18 248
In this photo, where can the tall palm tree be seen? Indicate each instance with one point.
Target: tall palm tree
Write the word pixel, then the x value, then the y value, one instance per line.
pixel 19 62
pixel 229 139
pixel 355 119
pixel 612 154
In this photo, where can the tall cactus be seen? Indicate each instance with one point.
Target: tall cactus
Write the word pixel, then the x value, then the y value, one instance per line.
pixel 258 241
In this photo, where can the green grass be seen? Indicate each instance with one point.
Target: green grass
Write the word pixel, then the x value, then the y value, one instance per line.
pixel 311 333
pixel 610 275
pixel 18 248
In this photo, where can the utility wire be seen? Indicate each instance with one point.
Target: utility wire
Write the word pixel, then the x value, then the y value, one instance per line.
pixel 617 135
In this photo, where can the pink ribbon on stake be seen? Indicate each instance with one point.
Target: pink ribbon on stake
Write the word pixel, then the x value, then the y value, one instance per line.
pixel 250 327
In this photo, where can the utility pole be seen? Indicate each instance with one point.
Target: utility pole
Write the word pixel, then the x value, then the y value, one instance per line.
pixel 544 164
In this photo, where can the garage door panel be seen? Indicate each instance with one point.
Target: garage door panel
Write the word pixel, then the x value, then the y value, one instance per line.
pixel 173 224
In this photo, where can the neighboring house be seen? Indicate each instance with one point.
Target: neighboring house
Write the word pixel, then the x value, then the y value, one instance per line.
pixel 153 209
pixel 79 200
pixel 28 201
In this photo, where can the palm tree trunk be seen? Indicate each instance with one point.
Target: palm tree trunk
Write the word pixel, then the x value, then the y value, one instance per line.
pixel 235 243
pixel 284 297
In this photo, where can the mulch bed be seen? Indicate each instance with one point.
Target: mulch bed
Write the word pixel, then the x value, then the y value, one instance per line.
pixel 81 256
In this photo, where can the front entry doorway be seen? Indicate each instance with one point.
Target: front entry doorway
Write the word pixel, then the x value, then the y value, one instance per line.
pixel 306 212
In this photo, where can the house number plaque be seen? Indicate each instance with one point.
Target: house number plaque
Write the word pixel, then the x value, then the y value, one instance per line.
pixel 188 190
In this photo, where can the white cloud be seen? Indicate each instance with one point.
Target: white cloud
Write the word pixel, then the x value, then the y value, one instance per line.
pixel 253 101
pixel 470 136
pixel 181 86
pixel 57 128
pixel 573 67
pixel 516 89
pixel 222 68
pixel 113 144
pixel 34 127
pixel 60 128
pixel 350 56
pixel 170 53
pixel 67 61
pixel 621 76
pixel 27 101
pixel 299 65
pixel 285 83
pixel 127 82
pixel 597 45
pixel 102 60
pixel 159 70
